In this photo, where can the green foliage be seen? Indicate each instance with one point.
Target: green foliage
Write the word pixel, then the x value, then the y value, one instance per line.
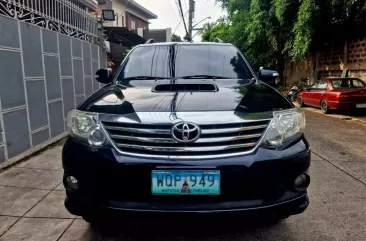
pixel 303 31
pixel 176 38
pixel 269 32
pixel 215 30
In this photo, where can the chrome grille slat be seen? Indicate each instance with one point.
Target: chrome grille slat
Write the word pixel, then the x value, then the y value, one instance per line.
pixel 169 140
pixel 230 130
pixel 142 131
pixel 155 140
pixel 186 149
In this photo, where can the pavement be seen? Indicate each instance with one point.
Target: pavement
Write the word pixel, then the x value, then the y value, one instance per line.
pixel 351 116
pixel 32 195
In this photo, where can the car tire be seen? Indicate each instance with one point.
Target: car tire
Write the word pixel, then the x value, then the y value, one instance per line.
pixel 324 107
pixel 300 101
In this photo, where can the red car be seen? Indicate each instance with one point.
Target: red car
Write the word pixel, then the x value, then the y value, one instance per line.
pixel 335 94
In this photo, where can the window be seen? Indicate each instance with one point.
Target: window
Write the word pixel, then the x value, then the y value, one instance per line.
pixel 133 25
pixel 323 85
pixel 315 86
pixel 348 83
pixel 223 61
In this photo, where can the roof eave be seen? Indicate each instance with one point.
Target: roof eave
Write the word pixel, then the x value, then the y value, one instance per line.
pixel 149 14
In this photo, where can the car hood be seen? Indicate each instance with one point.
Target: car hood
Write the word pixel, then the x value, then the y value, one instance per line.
pixel 141 96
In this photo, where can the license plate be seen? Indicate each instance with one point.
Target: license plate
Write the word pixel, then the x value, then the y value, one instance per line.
pixel 174 182
pixel 361 105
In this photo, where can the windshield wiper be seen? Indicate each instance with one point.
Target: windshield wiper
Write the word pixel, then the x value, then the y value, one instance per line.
pixel 202 76
pixel 143 78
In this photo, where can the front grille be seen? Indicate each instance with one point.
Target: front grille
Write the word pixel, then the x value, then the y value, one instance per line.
pixel 155 140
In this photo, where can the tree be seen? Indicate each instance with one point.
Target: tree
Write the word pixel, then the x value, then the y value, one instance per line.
pixel 176 38
pixel 271 32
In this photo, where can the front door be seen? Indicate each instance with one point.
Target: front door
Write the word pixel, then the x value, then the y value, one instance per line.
pixel 308 94
pixel 318 93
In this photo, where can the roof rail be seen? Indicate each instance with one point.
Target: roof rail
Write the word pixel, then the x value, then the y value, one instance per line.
pixel 217 40
pixel 150 41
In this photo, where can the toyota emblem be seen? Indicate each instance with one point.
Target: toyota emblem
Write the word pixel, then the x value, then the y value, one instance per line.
pixel 185 132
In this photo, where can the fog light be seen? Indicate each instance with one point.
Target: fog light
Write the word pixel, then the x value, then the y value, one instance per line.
pixel 301 182
pixel 72 183
pixel 96 137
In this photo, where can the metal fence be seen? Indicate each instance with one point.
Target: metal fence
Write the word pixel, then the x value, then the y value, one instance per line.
pixel 62 16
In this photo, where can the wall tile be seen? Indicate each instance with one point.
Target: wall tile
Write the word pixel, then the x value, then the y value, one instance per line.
pixel 79 100
pixel 65 55
pixel 95 66
pixel 11 83
pixel 78 77
pixel 56 118
pixel 49 41
pixel 1 132
pixel 16 132
pixel 88 87
pixel 9 36
pixel 76 47
pixel 32 51
pixel 52 77
pixel 2 154
pixel 68 95
pixel 40 137
pixel 37 104
pixel 94 50
pixel 87 58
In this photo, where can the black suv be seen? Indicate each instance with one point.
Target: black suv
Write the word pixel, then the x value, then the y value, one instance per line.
pixel 185 128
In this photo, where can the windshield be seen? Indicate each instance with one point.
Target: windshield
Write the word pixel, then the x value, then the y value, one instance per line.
pixel 348 83
pixel 185 61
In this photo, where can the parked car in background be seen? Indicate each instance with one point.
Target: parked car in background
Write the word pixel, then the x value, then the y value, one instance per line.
pixel 335 94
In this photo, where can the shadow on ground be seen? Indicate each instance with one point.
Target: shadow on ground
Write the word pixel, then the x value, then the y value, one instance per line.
pixel 193 228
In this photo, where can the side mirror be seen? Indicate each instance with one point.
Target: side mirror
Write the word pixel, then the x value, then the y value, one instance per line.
pixel 103 75
pixel 268 76
pixel 268 73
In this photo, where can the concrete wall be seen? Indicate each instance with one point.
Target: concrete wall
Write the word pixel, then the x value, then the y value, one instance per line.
pixel 297 71
pixel 348 60
pixel 44 75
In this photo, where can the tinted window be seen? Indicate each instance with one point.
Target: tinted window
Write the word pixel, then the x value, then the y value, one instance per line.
pixel 214 60
pixel 348 83
pixel 147 61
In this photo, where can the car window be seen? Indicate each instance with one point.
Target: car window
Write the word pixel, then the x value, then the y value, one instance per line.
pixel 323 85
pixel 216 60
pixel 315 86
pixel 348 83
pixel 358 83
pixel 147 61
pixel 156 61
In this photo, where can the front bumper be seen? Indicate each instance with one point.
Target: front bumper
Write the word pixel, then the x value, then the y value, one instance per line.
pixel 260 182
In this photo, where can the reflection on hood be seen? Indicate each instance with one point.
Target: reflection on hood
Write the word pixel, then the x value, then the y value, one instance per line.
pixel 240 96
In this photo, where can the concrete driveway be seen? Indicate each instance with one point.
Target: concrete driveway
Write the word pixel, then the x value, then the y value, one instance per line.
pixel 31 199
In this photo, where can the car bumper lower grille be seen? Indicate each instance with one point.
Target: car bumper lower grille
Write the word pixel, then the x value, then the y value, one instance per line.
pixel 215 140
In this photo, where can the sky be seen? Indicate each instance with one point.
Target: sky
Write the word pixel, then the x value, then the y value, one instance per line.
pixel 169 16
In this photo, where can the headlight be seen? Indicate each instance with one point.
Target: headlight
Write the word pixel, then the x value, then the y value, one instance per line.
pixel 284 126
pixel 85 126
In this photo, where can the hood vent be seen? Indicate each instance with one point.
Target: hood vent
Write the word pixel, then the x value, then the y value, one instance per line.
pixel 185 88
